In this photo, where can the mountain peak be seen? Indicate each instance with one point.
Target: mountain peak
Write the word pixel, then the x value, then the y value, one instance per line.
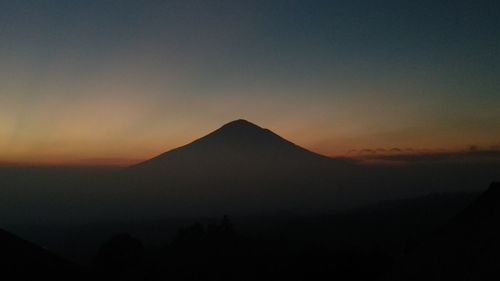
pixel 240 124
pixel 242 129
pixel 235 142
pixel 240 132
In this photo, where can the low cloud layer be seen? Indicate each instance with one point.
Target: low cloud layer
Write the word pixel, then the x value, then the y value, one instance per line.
pixel 472 154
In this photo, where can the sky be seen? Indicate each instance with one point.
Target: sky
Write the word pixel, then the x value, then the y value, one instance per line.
pixel 118 82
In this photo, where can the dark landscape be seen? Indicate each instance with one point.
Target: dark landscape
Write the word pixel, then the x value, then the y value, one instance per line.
pixel 237 140
pixel 279 211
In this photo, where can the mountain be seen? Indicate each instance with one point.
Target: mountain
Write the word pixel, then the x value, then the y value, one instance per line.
pixel 239 143
pixel 466 248
pixel 23 260
pixel 239 152
pixel 244 168
pixel 238 166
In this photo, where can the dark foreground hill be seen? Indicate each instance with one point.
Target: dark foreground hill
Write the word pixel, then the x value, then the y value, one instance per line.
pixel 361 244
pixel 22 260
pixel 357 245
pixel 466 248
pixel 365 244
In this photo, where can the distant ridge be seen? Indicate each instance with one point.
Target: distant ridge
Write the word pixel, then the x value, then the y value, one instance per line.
pixel 467 248
pixel 23 260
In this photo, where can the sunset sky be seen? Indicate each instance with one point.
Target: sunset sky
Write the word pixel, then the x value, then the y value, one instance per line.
pixel 121 81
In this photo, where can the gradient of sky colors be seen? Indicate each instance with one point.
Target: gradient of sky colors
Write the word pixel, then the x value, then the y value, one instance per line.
pixel 118 81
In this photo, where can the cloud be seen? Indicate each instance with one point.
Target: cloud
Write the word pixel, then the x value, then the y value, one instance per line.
pixel 472 154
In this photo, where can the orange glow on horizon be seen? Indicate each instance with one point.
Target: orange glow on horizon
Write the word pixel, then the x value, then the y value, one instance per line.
pixel 108 154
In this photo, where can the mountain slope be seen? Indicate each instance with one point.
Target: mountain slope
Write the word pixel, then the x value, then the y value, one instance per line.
pixel 22 260
pixel 240 154
pixel 239 142
pixel 238 166
pixel 467 248
pixel 243 167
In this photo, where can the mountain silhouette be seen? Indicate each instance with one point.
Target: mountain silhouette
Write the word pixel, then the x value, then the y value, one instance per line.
pixel 244 167
pixel 238 142
pixel 23 260
pixel 466 248
pixel 237 166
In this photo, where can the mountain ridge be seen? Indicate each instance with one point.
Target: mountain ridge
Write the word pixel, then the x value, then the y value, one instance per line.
pixel 466 248
pixel 23 260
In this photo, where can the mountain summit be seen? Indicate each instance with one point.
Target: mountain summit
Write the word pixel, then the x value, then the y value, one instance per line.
pixel 241 125
pixel 242 133
pixel 238 142
pixel 240 167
